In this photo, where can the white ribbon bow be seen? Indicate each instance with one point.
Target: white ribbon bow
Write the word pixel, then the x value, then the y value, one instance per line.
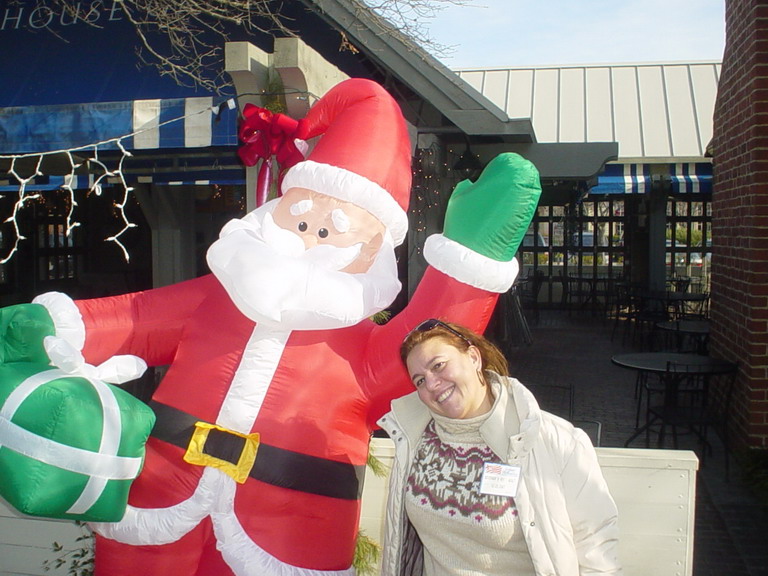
pixel 116 370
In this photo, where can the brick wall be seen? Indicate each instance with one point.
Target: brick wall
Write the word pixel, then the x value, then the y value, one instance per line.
pixel 740 215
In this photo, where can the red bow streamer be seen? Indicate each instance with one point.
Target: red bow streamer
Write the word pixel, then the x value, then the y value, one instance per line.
pixel 265 135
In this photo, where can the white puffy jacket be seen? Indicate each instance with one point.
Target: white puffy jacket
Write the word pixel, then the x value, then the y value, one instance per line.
pixel 568 517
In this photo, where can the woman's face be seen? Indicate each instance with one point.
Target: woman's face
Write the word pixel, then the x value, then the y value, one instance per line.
pixel 448 379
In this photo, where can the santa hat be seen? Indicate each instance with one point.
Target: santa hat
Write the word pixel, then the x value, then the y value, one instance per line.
pixel 363 155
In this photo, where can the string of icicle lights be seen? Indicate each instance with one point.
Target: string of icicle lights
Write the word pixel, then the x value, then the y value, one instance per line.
pixel 100 171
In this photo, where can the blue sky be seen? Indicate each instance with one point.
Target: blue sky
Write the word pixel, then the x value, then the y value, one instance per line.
pixel 498 33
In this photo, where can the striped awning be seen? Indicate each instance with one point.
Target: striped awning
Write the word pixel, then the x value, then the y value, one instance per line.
pixel 691 177
pixel 45 183
pixel 92 130
pixel 140 124
pixel 683 177
pixel 202 178
pixel 623 179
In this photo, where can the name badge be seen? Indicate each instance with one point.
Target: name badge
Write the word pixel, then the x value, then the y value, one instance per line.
pixel 500 479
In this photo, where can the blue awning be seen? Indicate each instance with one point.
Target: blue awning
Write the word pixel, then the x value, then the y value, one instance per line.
pixel 46 183
pixel 143 125
pixel 140 125
pixel 691 177
pixel 623 179
pixel 227 177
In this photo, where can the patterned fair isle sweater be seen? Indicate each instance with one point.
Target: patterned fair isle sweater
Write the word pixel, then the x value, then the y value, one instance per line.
pixel 463 531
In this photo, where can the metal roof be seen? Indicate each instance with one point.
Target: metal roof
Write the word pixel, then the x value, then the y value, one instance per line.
pixel 656 112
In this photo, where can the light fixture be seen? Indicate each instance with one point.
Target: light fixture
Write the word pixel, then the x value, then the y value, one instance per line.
pixel 468 164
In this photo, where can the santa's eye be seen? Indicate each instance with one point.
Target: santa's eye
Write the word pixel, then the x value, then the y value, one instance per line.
pixel 303 226
pixel 323 232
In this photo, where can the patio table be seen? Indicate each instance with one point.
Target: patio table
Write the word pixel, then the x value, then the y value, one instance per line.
pixel 697 330
pixel 662 364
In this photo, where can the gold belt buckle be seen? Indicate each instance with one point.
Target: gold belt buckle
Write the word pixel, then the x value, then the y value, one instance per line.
pixel 238 472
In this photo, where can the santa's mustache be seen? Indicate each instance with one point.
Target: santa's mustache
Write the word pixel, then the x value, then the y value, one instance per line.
pixel 286 243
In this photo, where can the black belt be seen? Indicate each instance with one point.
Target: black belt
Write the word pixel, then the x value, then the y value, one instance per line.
pixel 273 465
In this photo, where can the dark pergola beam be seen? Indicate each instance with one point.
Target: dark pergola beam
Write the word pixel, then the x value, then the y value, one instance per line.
pixel 557 161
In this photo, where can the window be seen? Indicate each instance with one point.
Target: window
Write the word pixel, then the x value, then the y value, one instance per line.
pixel 689 238
pixel 56 258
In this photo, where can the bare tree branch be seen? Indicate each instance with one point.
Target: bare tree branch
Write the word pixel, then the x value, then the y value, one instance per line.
pixel 183 39
pixel 411 18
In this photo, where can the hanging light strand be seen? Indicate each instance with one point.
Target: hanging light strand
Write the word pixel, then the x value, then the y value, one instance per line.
pixel 21 200
pixel 97 168
pixel 68 181
pixel 127 224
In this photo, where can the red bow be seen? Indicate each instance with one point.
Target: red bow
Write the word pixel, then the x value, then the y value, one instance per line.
pixel 265 135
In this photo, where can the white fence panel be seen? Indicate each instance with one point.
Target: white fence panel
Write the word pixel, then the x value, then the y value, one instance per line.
pixel 654 490
pixel 27 542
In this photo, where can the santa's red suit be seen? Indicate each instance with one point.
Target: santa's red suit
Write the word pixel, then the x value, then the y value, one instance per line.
pixel 295 389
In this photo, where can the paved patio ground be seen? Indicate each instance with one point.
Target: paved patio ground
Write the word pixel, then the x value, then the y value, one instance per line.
pixel 731 532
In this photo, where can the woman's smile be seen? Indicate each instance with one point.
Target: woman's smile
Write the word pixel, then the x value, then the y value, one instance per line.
pixel 445 395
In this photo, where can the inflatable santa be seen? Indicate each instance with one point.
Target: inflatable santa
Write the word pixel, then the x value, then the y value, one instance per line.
pixel 276 374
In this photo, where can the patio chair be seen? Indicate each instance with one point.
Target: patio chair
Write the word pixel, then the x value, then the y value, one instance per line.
pixel 648 311
pixel 512 329
pixel 698 309
pixel 529 294
pixel 679 283
pixel 656 388
pixel 555 398
pixel 653 386
pixel 623 309
pixel 702 403
pixel 579 292
pixel 560 399
pixel 593 429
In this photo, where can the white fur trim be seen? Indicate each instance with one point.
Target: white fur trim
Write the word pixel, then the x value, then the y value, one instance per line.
pixel 243 555
pixel 468 266
pixel 66 317
pixel 251 382
pixel 151 526
pixel 350 187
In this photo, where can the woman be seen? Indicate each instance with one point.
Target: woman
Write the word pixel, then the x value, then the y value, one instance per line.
pixel 484 481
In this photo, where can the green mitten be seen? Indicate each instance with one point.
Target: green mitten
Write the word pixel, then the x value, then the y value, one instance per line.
pixel 490 216
pixel 22 330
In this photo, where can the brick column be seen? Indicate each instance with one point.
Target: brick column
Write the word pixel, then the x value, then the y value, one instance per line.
pixel 740 216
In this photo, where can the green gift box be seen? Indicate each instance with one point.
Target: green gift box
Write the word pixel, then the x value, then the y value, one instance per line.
pixel 70 446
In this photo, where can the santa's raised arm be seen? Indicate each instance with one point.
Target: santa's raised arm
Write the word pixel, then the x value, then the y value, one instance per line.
pixel 276 373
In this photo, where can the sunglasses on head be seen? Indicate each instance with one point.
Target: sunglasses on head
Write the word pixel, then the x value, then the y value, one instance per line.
pixel 433 323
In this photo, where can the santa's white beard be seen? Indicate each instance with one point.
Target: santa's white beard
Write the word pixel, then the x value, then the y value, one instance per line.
pixel 271 279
